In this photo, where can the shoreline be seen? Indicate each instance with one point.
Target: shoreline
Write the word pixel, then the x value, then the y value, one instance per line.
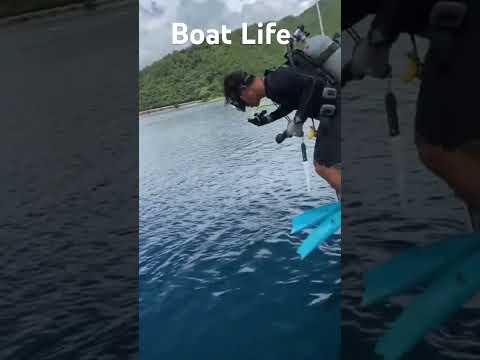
pixel 181 106
pixel 188 105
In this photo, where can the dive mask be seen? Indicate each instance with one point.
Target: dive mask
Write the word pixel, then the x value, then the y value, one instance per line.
pixel 239 104
pixel 236 100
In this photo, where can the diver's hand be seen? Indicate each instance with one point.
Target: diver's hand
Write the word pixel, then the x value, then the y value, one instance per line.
pixel 260 119
pixel 294 129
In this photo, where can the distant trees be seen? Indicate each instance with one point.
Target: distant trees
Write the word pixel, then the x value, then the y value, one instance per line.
pixel 196 73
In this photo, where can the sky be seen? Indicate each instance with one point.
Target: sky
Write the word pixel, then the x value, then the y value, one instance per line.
pixel 156 18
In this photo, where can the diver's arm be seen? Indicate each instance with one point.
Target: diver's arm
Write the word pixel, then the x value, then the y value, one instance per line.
pixel 306 98
pixel 280 112
pixel 287 83
pixel 262 118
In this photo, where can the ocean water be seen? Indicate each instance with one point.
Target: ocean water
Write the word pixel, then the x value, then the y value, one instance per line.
pixel 386 211
pixel 68 223
pixel 219 274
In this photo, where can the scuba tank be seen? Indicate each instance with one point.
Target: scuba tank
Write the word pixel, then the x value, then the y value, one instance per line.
pixel 326 53
pixel 321 56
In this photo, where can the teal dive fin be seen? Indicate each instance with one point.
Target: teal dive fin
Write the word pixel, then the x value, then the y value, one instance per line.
pixel 445 296
pixel 327 228
pixel 313 217
pixel 416 266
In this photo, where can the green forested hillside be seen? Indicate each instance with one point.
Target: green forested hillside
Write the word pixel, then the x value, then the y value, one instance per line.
pixel 196 73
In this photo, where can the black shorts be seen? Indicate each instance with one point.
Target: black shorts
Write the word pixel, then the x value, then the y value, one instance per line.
pixel 448 101
pixel 328 143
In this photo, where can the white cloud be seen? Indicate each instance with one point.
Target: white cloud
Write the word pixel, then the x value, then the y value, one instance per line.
pixel 156 17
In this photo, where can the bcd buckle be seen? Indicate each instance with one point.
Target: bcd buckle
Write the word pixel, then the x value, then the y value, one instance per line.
pixel 329 93
pixel 327 110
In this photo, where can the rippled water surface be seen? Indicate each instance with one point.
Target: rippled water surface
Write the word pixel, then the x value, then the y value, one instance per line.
pixel 68 223
pixel 219 274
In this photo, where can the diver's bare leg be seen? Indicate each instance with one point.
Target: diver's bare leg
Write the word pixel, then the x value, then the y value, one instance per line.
pixel 459 168
pixel 331 175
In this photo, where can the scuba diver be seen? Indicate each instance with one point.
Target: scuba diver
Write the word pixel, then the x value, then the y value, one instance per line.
pixel 446 136
pixel 307 84
pixel 448 143
pixel 309 96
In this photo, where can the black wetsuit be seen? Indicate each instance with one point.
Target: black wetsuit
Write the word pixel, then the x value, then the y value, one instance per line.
pixel 447 102
pixel 295 91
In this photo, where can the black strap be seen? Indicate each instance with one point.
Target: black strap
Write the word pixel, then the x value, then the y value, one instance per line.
pixel 329 51
pixel 319 71
pixel 354 35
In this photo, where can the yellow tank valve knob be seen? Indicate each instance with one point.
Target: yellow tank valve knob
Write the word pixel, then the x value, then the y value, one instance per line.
pixel 311 133
pixel 410 73
pixel 414 69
